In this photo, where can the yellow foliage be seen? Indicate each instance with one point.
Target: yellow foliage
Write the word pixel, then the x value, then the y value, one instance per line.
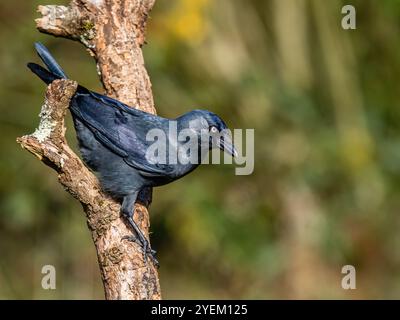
pixel 186 21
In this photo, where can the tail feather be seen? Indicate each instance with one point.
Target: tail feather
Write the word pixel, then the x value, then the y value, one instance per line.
pixel 49 61
pixel 42 73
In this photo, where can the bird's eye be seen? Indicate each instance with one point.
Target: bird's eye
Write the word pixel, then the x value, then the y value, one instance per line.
pixel 213 129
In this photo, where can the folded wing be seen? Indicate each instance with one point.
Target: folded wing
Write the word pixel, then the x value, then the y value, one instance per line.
pixel 121 129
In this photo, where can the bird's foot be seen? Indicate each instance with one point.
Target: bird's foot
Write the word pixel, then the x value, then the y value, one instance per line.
pixel 147 251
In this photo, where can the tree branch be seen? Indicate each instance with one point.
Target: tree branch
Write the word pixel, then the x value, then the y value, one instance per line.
pixel 113 32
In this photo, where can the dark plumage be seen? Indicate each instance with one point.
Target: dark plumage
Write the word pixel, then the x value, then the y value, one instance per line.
pixel 112 141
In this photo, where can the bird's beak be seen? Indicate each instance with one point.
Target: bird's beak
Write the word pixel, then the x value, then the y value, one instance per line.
pixel 225 144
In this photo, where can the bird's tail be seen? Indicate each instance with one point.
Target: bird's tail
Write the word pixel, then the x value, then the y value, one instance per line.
pixel 54 72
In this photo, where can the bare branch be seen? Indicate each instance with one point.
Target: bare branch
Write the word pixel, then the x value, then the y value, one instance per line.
pixel 125 274
pixel 113 31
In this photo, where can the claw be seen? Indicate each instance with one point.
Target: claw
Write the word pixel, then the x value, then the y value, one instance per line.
pixel 148 252
pixel 151 255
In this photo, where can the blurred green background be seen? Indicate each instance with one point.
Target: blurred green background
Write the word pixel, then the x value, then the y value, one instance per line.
pixel 324 103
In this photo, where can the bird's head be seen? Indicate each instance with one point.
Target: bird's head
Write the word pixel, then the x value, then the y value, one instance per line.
pixel 210 128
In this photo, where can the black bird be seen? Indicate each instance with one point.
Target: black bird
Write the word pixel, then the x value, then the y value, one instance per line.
pixel 112 141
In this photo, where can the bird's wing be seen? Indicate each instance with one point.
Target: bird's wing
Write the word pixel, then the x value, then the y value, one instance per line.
pixel 121 129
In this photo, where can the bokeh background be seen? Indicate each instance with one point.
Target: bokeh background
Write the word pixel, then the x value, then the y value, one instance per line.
pixel 324 103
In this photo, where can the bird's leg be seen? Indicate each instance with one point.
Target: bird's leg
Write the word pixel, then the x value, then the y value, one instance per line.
pixel 127 210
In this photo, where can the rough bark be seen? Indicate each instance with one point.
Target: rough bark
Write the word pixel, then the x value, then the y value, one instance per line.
pixel 113 32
